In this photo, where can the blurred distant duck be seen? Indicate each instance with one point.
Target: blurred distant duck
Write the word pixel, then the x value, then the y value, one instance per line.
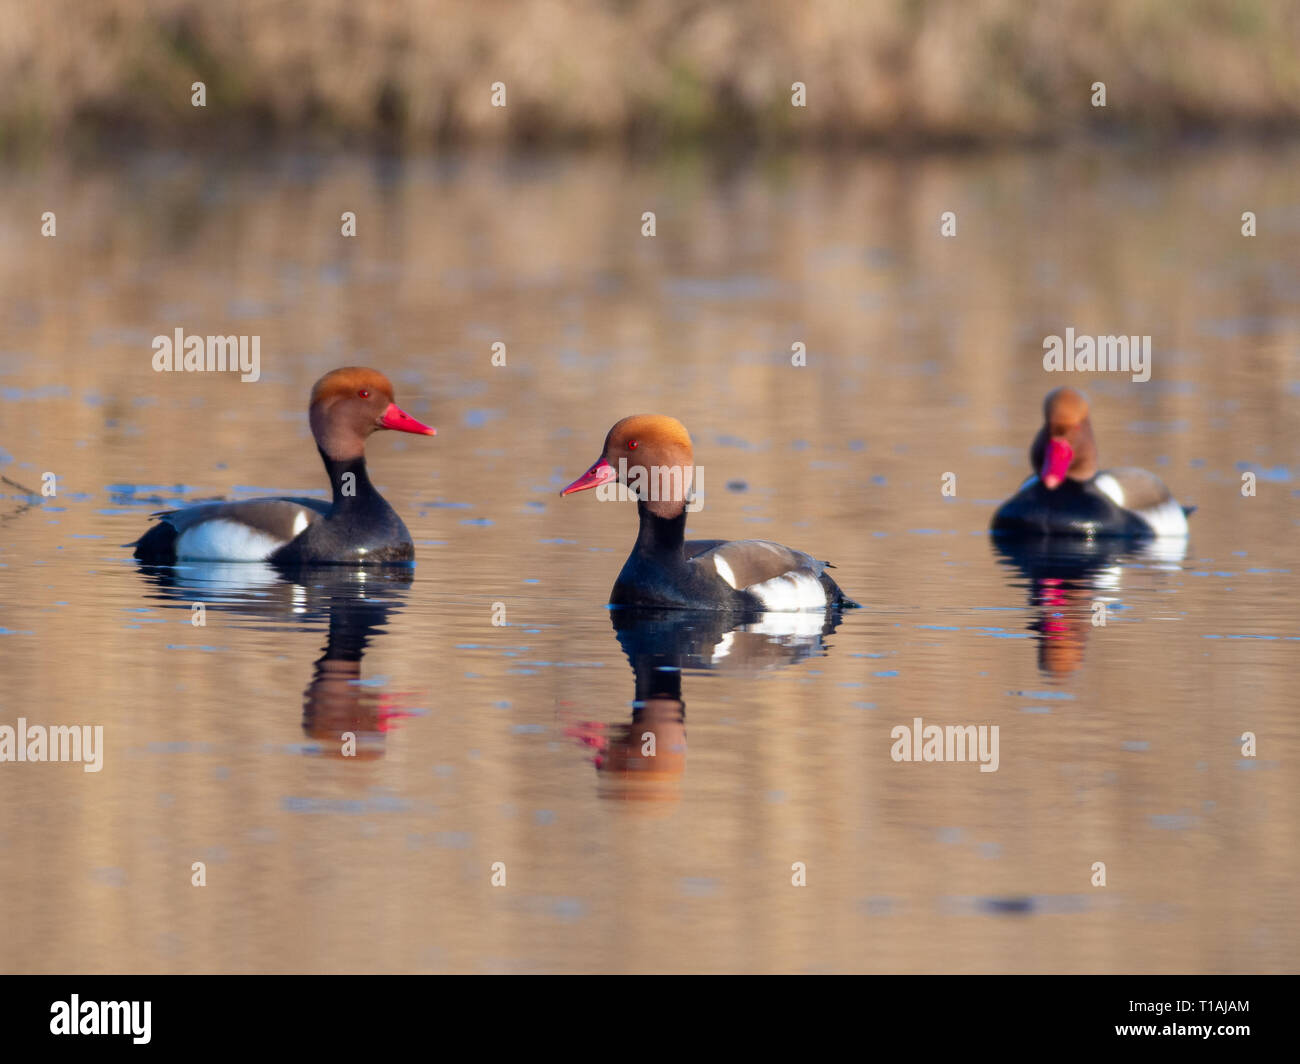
pixel 1068 496
pixel 651 455
pixel 356 528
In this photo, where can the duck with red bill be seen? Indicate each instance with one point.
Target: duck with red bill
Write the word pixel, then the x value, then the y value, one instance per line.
pixel 357 527
pixel 651 457
pixel 1068 495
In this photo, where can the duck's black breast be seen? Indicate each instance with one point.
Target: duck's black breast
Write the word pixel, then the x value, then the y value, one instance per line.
pixel 360 528
pixel 1074 509
pixel 375 536
pixel 672 582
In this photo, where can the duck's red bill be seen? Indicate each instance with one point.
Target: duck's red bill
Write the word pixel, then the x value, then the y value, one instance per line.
pixel 397 418
pixel 601 473
pixel 1056 463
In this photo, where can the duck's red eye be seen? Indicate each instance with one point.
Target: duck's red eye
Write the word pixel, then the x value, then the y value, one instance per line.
pixel 363 394
pixel 631 445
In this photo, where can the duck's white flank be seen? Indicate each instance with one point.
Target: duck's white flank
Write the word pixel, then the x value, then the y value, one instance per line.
pixel 1166 518
pixel 790 592
pixel 219 540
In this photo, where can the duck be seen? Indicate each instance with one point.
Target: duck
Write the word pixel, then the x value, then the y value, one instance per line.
pixel 1068 495
pixel 357 527
pixel 650 457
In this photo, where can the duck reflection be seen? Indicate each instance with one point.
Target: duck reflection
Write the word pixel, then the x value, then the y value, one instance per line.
pixel 1072 582
pixel 646 758
pixel 345 717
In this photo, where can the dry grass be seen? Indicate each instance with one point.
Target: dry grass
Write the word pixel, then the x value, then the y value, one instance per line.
pixel 659 70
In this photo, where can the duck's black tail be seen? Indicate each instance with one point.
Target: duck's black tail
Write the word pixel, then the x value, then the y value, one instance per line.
pixel 835 597
pixel 157 546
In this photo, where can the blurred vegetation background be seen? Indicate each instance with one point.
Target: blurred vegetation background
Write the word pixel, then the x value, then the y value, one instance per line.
pixel 419 72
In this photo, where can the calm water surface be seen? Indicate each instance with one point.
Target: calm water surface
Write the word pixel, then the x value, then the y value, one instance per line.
pixel 521 743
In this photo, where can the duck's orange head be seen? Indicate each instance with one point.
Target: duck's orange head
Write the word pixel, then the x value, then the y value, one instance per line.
pixel 1064 446
pixel 651 454
pixel 348 404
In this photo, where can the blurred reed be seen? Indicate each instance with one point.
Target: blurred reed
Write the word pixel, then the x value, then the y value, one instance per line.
pixel 420 73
